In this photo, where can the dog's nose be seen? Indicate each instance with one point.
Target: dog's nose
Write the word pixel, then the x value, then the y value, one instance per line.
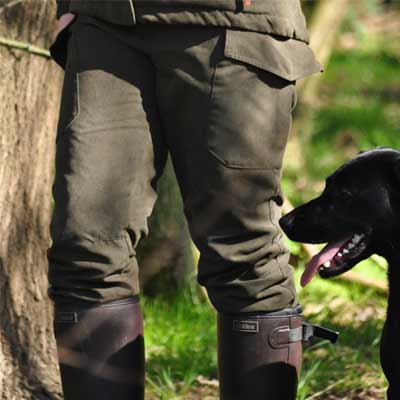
pixel 286 222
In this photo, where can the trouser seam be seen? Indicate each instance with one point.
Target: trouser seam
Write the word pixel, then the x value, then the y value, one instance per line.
pixel 133 12
pixel 274 240
pixel 275 226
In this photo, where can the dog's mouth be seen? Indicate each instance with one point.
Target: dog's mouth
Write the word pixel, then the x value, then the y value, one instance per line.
pixel 336 257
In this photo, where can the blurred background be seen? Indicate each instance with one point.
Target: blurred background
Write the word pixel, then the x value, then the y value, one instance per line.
pixel 354 105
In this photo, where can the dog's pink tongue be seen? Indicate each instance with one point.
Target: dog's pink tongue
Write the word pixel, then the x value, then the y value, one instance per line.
pixel 326 254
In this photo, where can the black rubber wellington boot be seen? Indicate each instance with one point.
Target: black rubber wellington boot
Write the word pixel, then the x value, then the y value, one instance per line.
pixel 101 350
pixel 259 356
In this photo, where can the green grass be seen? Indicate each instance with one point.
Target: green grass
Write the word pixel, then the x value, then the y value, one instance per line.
pixel 180 334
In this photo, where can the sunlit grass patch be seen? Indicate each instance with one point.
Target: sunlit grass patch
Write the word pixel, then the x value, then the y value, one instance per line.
pixel 180 335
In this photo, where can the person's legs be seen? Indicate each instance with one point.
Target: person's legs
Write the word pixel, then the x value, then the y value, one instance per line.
pixel 109 155
pixel 227 123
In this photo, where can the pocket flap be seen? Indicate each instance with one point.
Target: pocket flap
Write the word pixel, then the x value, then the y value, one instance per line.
pixel 288 58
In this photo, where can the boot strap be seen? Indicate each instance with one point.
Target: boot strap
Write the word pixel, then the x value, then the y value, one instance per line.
pixel 310 331
pixel 284 335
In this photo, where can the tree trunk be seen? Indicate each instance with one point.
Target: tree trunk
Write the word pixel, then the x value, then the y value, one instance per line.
pixel 29 99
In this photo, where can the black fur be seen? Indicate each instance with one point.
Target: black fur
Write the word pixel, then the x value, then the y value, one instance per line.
pixel 363 197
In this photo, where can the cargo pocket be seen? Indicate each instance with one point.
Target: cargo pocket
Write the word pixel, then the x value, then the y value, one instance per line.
pixel 252 97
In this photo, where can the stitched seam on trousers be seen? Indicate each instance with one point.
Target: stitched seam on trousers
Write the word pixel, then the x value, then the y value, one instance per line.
pixel 133 12
pixel 212 83
pixel 210 97
pixel 293 289
pixel 273 240
pixel 276 227
pixel 238 166
pixel 77 101
pixel 74 48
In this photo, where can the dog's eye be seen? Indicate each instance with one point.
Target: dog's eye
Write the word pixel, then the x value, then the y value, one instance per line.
pixel 345 195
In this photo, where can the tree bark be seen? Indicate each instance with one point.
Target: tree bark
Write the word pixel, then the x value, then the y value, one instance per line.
pixel 29 98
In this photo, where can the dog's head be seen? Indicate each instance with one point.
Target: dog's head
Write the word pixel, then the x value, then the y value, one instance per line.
pixel 357 214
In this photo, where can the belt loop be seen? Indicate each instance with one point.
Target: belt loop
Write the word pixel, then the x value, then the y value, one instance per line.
pixel 133 11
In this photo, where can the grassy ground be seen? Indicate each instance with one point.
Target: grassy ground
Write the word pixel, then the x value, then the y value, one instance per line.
pixel 359 109
pixel 181 344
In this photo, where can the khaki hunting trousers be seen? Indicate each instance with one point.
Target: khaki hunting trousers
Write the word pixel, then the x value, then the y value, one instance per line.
pixel 131 95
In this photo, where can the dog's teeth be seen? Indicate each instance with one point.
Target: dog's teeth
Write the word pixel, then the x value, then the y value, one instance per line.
pixel 339 254
pixel 356 238
pixel 345 251
pixel 327 264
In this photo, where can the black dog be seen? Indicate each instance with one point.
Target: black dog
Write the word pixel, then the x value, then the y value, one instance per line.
pixel 358 214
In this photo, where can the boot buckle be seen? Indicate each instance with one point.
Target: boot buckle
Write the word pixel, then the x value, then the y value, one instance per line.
pixel 310 331
pixel 284 335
